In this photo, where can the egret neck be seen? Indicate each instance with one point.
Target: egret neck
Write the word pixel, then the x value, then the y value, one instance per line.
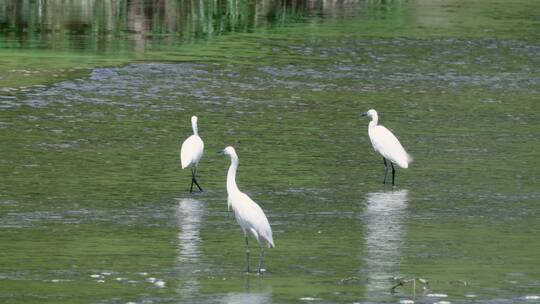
pixel 194 126
pixel 231 176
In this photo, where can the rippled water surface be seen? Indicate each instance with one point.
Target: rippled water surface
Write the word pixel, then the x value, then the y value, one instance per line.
pixel 94 207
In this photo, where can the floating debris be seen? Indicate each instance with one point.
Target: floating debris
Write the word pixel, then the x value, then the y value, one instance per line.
pixel 459 282
pixel 309 299
pixel 437 295
pixel 151 280
pixel 160 283
pixel 402 281
pixel 349 280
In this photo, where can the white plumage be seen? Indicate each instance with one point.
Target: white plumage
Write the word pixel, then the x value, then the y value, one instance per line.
pixel 191 152
pixel 248 214
pixel 386 144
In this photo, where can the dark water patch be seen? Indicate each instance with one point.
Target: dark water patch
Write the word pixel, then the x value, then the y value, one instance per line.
pixel 395 67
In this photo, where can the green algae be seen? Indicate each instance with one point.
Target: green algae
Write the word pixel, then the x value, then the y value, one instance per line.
pixel 91 182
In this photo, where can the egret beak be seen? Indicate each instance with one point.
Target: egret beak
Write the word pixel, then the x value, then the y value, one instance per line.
pixel 364 114
pixel 220 152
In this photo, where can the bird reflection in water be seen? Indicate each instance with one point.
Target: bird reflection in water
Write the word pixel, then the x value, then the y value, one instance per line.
pixel 385 219
pixel 189 213
pixel 256 292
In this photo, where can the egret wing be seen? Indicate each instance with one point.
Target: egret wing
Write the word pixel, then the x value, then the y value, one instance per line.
pixel 249 215
pixel 191 151
pixel 388 146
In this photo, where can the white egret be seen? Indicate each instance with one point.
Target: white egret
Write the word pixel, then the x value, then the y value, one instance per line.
pixel 248 214
pixel 191 153
pixel 387 145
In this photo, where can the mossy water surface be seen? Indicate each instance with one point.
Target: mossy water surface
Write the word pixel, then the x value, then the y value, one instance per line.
pixel 94 206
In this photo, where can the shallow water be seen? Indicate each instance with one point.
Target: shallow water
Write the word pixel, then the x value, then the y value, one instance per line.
pixel 94 206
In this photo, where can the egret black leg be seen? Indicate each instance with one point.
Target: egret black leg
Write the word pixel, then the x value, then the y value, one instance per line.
pixel 247 254
pixel 261 258
pixel 197 184
pixel 194 180
pixel 393 174
pixel 385 170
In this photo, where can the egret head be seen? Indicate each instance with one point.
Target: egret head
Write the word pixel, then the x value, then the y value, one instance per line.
pixel 193 119
pixel 232 154
pixel 371 113
pixel 228 151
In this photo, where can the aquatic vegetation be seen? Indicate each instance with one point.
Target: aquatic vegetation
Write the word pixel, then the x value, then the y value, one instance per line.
pixel 94 206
